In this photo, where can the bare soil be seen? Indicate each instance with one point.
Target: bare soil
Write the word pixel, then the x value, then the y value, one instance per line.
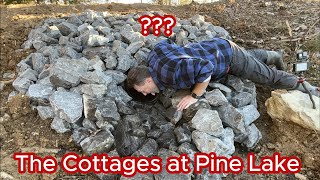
pixel 252 24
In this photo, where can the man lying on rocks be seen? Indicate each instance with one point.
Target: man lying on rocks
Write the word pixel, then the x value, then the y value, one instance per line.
pixel 196 64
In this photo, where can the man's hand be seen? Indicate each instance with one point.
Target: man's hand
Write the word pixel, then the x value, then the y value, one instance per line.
pixel 186 102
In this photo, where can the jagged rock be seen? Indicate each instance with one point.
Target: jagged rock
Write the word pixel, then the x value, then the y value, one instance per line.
pixel 22 84
pixel 39 92
pixel 228 139
pixel 107 111
pixel 235 83
pixel 182 134
pixel 38 61
pixel 173 115
pixel 29 74
pixel 148 149
pixel 67 105
pixel 208 121
pixel 232 118
pixel 94 90
pixel 111 62
pixel 216 98
pixel 155 134
pixel 45 112
pixel 187 148
pixel 254 135
pixel 86 123
pixel 241 99
pixel 142 55
pixel 249 113
pixel 118 93
pixel 296 107
pixel 134 47
pixel 101 142
pixel 67 28
pixel 128 140
pixel 93 78
pixel 80 134
pixel 206 143
pixel 167 139
pixel 97 64
pixel 66 73
pixel 117 77
pixel 60 125
pixel 90 52
pixel 190 112
pixel 69 52
pixel 124 109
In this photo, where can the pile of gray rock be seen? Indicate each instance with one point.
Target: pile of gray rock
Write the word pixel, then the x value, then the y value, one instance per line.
pixel 76 79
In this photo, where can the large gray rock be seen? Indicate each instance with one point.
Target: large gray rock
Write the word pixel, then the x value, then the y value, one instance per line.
pixel 131 37
pixel 67 105
pixel 60 125
pixel 228 139
pixel 187 148
pixel 67 72
pixel 118 93
pixel 167 139
pixel 182 134
pixel 107 110
pixel 134 47
pixel 117 77
pixel 21 84
pixel 69 52
pixel 38 61
pixel 111 61
pixel 250 114
pixel 235 83
pixel 206 143
pixel 241 99
pixel 101 142
pixel 254 135
pixel 232 118
pixel 94 90
pixel 67 28
pixel 208 121
pixel 45 112
pixel 39 92
pixel 130 135
pixel 29 74
pixel 80 134
pixel 90 52
pixel 216 98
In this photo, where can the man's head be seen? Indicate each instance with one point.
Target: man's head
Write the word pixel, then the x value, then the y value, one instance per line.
pixel 140 79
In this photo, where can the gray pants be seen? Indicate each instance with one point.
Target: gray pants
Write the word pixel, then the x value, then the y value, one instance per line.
pixel 251 64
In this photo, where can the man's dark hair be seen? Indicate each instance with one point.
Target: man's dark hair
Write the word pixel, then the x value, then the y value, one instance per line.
pixel 137 75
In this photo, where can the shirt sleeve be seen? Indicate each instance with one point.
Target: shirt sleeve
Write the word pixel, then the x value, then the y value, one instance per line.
pixel 194 70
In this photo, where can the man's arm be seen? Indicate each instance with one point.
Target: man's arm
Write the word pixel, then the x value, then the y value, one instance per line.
pixel 199 90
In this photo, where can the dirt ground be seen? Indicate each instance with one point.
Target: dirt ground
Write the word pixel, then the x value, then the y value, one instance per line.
pixel 252 24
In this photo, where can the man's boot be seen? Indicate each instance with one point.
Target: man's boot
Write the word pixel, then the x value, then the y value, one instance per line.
pixel 275 58
pixel 312 89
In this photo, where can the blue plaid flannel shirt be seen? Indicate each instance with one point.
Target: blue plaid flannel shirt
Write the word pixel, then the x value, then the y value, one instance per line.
pixel 181 67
